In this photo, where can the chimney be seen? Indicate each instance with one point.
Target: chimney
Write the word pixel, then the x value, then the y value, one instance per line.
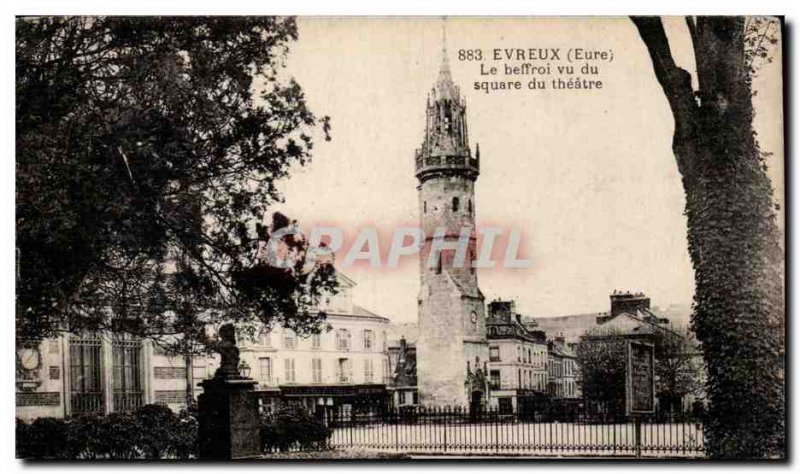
pixel 502 310
pixel 627 302
pixel 540 335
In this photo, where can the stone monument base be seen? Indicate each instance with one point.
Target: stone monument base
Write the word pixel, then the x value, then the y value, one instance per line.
pixel 228 419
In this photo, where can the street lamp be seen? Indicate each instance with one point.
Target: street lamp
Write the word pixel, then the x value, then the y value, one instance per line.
pixel 244 369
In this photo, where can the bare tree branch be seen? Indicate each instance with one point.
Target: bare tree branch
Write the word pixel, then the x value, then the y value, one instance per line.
pixel 676 82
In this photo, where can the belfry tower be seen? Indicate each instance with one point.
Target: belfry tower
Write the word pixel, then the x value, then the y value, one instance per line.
pixel 452 351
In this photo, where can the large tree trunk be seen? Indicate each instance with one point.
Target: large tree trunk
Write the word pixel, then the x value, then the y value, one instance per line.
pixel 734 243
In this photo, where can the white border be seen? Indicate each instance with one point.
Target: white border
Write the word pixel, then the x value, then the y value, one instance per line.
pixel 321 7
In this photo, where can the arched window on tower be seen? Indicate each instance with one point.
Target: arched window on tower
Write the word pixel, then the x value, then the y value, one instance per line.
pixel 439 264
pixel 424 207
pixel 469 206
pixel 456 204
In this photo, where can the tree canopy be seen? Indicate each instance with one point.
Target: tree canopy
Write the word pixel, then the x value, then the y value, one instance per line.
pixel 148 149
pixel 602 358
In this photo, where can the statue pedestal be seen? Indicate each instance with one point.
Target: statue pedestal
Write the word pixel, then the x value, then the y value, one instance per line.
pixel 228 419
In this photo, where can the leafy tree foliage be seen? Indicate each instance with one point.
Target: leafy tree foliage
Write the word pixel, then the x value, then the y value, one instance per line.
pixel 291 426
pixel 601 362
pixel 734 242
pixel 147 151
pixel 678 369
pixel 602 358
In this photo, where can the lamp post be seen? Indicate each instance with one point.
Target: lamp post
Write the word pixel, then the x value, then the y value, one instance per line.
pixel 244 369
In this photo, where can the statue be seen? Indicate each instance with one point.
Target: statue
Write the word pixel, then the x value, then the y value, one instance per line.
pixel 229 353
pixel 227 409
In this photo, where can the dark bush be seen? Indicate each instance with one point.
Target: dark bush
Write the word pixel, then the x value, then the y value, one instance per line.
pixel 45 438
pixel 185 434
pixel 119 435
pixel 151 432
pixel 156 425
pixel 86 437
pixel 292 427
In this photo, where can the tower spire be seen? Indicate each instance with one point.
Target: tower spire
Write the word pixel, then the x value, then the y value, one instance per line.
pixel 446 122
pixel 445 63
pixel 444 84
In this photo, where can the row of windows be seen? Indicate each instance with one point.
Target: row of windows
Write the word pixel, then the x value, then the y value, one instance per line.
pixel 343 370
pixel 87 392
pixel 86 373
pixel 343 340
pixel 535 381
pixel 561 368
pixel 525 379
pixel 524 355
pixel 86 380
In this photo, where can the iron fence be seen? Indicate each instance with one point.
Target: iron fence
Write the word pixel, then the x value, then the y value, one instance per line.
pixel 556 432
pixel 86 402
pixel 127 401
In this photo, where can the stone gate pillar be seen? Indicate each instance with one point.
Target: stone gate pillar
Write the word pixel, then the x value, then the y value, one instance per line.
pixel 228 419
pixel 227 408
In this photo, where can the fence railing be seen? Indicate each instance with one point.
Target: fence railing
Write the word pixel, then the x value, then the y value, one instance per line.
pixel 127 401
pixel 561 433
pixel 86 402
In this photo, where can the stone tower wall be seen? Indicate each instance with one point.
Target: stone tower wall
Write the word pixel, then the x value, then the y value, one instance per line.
pixel 452 344
pixel 441 366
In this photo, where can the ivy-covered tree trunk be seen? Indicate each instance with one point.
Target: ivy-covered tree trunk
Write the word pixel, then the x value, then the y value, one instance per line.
pixel 734 242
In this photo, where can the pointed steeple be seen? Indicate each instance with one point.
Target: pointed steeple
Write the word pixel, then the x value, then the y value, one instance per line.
pixel 444 69
pixel 446 143
pixel 445 88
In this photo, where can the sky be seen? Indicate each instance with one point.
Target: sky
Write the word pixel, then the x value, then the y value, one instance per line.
pixel 588 177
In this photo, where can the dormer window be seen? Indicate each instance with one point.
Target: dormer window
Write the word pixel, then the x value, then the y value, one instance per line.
pixel 289 339
pixel 264 338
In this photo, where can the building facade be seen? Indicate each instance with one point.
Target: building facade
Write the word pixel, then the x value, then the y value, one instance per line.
pixel 517 361
pixel 572 385
pixel 563 373
pixel 342 369
pixel 452 352
pixel 102 373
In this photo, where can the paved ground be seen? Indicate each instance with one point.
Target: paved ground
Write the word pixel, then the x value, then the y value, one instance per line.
pixel 527 439
pixel 334 454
